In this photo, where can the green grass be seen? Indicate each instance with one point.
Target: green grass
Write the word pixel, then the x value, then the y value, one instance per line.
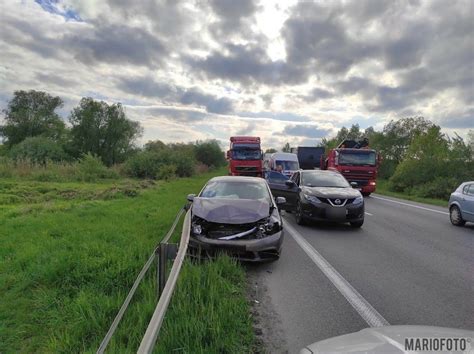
pixel 382 188
pixel 70 253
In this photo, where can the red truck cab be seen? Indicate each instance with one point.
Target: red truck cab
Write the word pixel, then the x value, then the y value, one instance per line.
pixel 245 156
pixel 356 162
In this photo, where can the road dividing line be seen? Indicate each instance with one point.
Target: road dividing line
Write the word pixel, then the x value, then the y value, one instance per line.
pixel 369 214
pixel 411 205
pixel 363 308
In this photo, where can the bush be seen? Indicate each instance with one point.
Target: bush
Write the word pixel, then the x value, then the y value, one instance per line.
pixel 440 187
pixel 162 164
pixel 91 168
pixel 209 153
pixel 167 172
pixel 38 150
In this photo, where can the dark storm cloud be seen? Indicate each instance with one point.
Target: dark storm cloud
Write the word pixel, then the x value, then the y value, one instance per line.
pixel 247 64
pixel 147 87
pixel 116 44
pixel 317 94
pixel 180 115
pixel 462 120
pixel 305 130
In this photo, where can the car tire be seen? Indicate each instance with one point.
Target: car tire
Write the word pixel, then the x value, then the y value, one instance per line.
pixel 357 224
pixel 365 194
pixel 455 216
pixel 300 220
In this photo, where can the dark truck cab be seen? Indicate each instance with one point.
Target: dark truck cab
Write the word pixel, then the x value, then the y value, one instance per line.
pixel 309 157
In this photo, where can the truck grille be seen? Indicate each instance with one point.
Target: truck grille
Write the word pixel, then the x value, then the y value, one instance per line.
pixel 246 168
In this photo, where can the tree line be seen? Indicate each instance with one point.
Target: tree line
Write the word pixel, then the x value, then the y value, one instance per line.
pixel 417 158
pixel 33 131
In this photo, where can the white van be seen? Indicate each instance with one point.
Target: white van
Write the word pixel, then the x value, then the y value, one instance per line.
pixel 284 162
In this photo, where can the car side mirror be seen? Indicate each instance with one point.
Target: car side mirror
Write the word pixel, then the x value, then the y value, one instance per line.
pixel 354 184
pixel 228 154
pixel 290 184
pixel 280 200
pixel 190 197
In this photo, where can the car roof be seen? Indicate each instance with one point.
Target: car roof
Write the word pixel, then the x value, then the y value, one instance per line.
pixel 327 172
pixel 237 179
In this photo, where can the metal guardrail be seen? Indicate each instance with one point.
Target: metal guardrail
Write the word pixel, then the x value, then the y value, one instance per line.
pixel 163 252
pixel 151 334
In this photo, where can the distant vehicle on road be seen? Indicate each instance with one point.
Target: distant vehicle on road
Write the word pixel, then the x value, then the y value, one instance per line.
pixel 356 162
pixel 245 156
pixel 309 157
pixel 461 204
pixel 284 162
pixel 322 196
pixel 238 215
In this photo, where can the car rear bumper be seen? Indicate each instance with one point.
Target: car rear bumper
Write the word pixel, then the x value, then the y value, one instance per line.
pixel 326 212
pixel 256 250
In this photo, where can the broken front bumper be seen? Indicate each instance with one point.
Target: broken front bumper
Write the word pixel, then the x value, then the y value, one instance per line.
pixel 255 250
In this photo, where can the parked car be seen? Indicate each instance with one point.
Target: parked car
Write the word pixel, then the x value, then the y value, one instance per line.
pixel 238 215
pixel 461 204
pixel 322 196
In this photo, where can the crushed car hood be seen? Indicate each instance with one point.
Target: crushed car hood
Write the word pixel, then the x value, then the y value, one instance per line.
pixel 389 339
pixel 330 192
pixel 230 211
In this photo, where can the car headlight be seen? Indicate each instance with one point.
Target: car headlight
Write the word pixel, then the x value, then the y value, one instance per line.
pixel 312 198
pixel 269 226
pixel 358 200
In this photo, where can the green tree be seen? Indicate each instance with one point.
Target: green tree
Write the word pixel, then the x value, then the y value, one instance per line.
pixel 209 153
pixel 31 113
pixel 286 148
pixel 103 130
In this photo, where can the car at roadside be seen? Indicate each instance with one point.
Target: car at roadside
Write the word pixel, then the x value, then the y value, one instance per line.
pixel 461 204
pixel 322 195
pixel 239 216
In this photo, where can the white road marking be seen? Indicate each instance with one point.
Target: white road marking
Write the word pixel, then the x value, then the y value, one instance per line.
pixel 411 205
pixel 363 308
pixel 366 213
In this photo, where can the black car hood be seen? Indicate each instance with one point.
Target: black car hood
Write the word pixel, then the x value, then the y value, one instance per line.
pixel 331 192
pixel 230 211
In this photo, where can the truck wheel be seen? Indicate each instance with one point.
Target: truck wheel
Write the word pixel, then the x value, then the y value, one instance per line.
pixel 357 224
pixel 455 216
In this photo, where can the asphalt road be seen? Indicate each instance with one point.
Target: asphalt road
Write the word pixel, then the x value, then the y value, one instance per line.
pixel 406 265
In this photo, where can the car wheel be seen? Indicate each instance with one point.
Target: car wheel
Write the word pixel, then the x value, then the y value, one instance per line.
pixel 365 194
pixel 455 216
pixel 357 224
pixel 299 214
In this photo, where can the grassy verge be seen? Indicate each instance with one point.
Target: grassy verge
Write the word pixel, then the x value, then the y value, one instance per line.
pixel 71 251
pixel 382 188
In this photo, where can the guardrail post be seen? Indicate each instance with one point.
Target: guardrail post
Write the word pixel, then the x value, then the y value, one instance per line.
pixel 162 260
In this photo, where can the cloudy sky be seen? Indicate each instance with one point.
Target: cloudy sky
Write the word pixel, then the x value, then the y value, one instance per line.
pixel 291 71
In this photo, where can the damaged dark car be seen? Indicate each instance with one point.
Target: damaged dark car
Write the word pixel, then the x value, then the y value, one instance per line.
pixel 237 215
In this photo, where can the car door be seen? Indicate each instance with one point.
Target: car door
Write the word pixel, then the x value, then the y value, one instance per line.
pixel 279 187
pixel 467 202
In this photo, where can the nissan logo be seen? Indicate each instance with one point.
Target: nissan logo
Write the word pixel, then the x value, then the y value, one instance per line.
pixel 337 201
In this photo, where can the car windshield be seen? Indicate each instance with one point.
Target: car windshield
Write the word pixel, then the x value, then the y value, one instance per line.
pixel 358 158
pixel 246 154
pixel 287 165
pixel 236 190
pixel 317 179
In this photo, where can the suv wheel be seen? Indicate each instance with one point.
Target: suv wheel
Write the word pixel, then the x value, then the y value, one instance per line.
pixel 299 214
pixel 455 216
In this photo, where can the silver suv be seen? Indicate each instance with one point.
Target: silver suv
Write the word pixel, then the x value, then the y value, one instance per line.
pixel 461 204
